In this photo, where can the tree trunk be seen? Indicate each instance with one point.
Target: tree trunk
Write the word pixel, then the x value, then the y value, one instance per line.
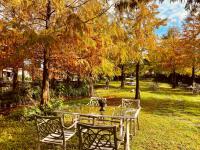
pixel 23 74
pixel 107 82
pixel 174 79
pixel 91 87
pixel 156 77
pixel 1 79
pixel 193 75
pixel 137 88
pixel 1 73
pixel 122 76
pixel 79 81
pixel 33 73
pixel 15 78
pixel 45 81
pixel 46 53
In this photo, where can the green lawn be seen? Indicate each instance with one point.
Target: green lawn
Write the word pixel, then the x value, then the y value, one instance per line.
pixel 170 119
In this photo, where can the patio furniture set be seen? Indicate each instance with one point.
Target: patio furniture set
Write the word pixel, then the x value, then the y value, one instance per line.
pixel 95 130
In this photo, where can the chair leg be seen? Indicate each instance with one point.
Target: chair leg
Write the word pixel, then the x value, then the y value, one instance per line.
pixel 38 146
pixel 125 142
pixel 138 125
pixel 135 124
pixel 64 146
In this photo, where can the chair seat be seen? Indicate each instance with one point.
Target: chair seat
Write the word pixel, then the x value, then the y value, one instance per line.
pixel 102 146
pixel 55 138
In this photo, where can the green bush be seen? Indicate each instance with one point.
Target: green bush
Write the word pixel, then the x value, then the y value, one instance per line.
pixel 54 104
pixel 21 94
pixel 36 92
pixel 71 89
pixel 18 114
pixel 24 113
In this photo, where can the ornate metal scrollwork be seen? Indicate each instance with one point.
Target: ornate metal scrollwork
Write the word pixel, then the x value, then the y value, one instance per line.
pixel 50 126
pixel 97 137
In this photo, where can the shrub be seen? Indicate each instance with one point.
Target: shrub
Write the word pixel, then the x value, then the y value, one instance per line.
pixel 24 113
pixel 17 114
pixel 36 92
pixel 54 104
pixel 71 89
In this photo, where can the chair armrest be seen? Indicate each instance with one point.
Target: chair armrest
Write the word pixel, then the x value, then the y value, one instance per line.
pixel 70 127
pixel 119 106
pixel 134 111
pixel 137 112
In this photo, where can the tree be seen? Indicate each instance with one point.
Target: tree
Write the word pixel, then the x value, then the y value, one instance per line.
pixel 171 53
pixel 190 42
pixel 94 46
pixel 140 24
pixel 12 44
pixel 120 50
pixel 54 24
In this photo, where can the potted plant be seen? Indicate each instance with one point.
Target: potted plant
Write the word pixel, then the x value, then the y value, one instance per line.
pixel 102 104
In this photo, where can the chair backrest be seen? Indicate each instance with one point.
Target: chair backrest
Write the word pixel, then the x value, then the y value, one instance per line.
pixel 49 126
pixel 97 137
pixel 94 101
pixel 130 103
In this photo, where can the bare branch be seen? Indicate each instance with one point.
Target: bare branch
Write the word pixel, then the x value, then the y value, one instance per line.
pixel 39 19
pixel 52 12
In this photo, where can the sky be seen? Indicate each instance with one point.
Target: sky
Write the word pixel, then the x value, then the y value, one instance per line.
pixel 174 12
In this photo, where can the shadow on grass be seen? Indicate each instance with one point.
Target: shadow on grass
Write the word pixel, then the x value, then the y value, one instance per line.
pixel 160 91
pixel 171 107
pixel 17 135
pixel 164 107
pixel 173 93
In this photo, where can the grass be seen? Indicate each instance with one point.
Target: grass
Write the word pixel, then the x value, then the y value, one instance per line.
pixel 170 119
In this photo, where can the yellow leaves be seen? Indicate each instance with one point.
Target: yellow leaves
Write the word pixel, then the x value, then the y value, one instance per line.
pixel 1 26
pixel 16 2
pixel 59 5
pixel 106 67
pixel 144 24
pixel 89 42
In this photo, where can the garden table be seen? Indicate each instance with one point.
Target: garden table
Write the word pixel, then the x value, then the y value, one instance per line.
pixel 93 114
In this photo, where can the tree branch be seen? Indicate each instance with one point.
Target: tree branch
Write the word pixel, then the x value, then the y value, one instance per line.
pixel 103 11
pixel 79 5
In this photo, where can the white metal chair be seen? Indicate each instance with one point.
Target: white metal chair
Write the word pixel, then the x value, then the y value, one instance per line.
pixel 52 131
pixel 132 108
pixel 93 137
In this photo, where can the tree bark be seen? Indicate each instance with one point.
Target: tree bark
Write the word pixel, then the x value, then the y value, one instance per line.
pixel 193 75
pixel 91 87
pixel 137 88
pixel 122 76
pixel 107 82
pixel 156 77
pixel 45 81
pixel 174 79
pixel 46 56
pixel 15 78
pixel 1 73
pixel 23 74
pixel 79 81
pixel 33 72
pixel 1 78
